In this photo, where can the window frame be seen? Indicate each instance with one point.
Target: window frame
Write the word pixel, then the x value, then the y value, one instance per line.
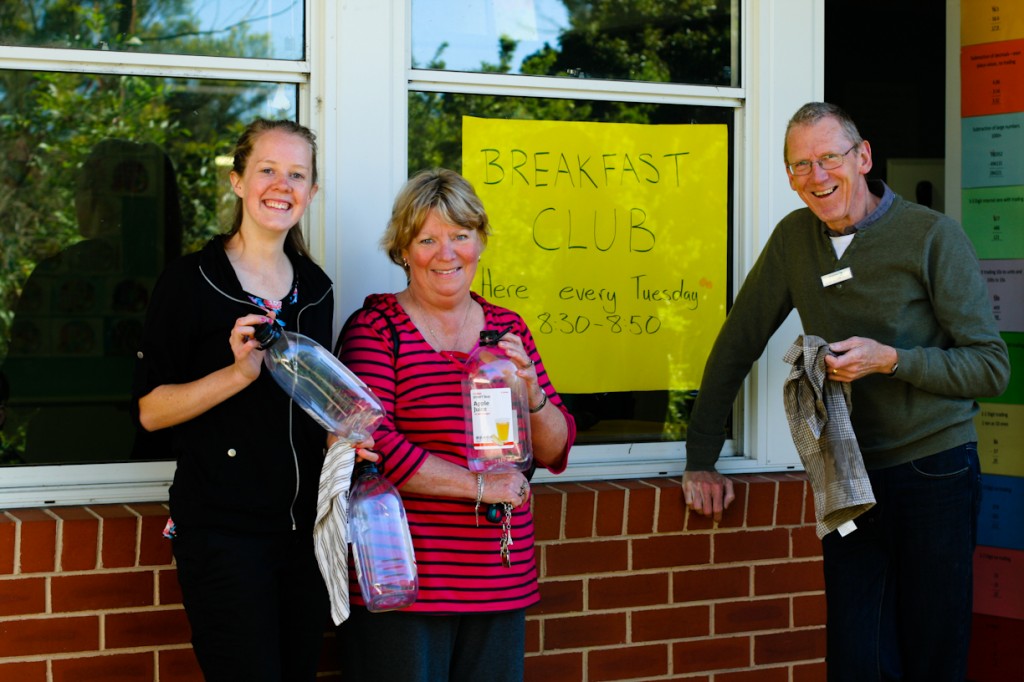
pixel 119 482
pixel 604 461
pixel 353 88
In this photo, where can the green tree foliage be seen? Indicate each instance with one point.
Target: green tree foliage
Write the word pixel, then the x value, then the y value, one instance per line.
pixel 50 121
pixel 678 41
pixel 662 41
pixel 435 119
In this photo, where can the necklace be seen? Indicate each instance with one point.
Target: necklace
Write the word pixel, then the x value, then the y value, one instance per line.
pixel 454 344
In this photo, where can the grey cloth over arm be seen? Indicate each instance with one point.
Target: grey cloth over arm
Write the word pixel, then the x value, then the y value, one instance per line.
pixel 330 532
pixel 818 411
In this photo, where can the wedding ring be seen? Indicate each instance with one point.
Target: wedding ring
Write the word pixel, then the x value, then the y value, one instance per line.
pixel 835 371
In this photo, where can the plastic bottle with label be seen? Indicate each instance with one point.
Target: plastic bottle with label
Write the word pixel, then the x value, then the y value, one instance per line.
pixel 497 410
pixel 321 385
pixel 381 544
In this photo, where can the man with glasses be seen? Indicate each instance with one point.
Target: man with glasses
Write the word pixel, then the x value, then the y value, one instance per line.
pixel 895 290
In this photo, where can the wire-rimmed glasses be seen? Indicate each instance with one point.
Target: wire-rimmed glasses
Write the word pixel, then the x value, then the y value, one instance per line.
pixel 829 161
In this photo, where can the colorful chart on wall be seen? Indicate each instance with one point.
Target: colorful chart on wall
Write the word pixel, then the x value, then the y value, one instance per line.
pixel 1000 438
pixel 1014 393
pixel 985 21
pixel 610 240
pixel 993 218
pixel 991 150
pixel 1002 508
pixel 999 582
pixel 1005 280
pixel 992 78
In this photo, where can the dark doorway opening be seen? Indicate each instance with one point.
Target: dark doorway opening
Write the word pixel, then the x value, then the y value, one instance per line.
pixel 885 65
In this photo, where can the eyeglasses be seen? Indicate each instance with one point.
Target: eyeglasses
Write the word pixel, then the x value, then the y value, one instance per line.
pixel 826 162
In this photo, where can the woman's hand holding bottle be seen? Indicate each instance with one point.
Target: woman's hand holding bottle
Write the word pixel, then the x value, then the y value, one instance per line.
pixel 246 349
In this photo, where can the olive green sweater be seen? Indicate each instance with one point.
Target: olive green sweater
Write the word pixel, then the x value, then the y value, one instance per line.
pixel 916 286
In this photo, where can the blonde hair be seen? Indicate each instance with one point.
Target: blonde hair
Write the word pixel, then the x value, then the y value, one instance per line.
pixel 437 189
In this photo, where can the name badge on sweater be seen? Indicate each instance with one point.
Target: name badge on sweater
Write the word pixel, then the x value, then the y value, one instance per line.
pixel 836 277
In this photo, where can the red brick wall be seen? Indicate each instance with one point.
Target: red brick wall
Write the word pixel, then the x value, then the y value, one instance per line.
pixel 632 587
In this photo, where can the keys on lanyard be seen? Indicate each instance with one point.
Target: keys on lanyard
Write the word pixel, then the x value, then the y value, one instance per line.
pixel 506 536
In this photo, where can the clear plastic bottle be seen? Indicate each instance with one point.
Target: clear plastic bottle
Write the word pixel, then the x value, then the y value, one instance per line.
pixel 497 410
pixel 322 386
pixel 381 544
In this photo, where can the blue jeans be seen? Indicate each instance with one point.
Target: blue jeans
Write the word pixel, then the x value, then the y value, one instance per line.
pixel 899 587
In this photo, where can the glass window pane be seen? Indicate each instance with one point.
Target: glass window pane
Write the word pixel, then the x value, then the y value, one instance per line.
pixel 678 41
pixel 103 179
pixel 435 139
pixel 268 29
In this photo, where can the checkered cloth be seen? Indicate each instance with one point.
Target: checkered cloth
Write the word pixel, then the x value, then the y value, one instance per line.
pixel 330 531
pixel 818 411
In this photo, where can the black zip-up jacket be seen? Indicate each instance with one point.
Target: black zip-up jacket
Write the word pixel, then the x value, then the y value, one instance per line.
pixel 251 463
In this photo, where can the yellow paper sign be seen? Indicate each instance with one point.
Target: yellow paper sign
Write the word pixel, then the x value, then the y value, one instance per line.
pixel 1000 438
pixel 610 240
pixel 990 21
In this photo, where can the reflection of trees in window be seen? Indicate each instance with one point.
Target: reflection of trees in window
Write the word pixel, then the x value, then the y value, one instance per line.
pixel 77 324
pixel 50 123
pixel 676 41
pixel 656 41
pixel 156 26
pixel 663 41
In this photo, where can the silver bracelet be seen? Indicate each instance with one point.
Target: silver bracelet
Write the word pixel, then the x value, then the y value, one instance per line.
pixel 543 402
pixel 479 497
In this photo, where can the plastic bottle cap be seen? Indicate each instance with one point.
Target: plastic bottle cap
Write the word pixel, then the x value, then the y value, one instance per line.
pixel 266 334
pixel 366 466
pixel 489 337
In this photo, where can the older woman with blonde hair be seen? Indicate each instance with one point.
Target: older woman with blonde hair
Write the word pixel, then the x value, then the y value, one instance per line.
pixel 409 347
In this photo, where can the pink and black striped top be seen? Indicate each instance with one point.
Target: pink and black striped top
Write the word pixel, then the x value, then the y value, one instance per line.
pixel 460 568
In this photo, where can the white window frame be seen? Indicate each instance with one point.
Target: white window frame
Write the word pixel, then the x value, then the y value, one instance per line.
pixel 353 90
pixel 782 68
pixel 65 484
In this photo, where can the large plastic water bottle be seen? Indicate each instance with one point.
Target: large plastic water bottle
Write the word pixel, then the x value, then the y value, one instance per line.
pixel 321 385
pixel 381 544
pixel 498 410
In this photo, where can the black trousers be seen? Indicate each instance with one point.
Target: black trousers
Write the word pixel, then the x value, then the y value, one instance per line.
pixel 256 603
pixel 395 646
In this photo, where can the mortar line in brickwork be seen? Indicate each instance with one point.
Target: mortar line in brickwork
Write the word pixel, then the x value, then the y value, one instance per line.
pixel 593 510
pixel 58 544
pixel 99 538
pixel 139 525
pixel 100 529
pixel 136 535
pixel 747 494
pixel 158 597
pixel 16 559
pixel 656 521
pixel 595 494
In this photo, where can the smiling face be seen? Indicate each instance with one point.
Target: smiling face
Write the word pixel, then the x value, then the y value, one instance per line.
pixel 839 197
pixel 277 185
pixel 442 259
